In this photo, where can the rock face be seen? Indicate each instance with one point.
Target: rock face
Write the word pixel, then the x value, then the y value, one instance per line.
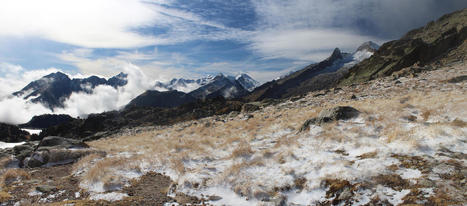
pixel 329 115
pixel 443 39
pixel 47 120
pixel 52 90
pixel 167 99
pixel 11 133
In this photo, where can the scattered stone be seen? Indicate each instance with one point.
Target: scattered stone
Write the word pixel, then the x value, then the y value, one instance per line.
pixel 214 198
pixel 46 188
pixel 458 79
pixel 410 118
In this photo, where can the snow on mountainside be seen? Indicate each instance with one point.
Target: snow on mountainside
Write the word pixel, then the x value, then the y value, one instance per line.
pixel 229 85
pixel 183 85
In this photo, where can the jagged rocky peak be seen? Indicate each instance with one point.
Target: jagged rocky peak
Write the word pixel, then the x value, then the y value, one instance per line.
pixel 57 76
pixel 247 82
pixel 336 54
pixel 368 46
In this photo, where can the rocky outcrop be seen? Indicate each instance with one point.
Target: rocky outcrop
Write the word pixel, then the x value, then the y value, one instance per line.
pixel 50 151
pixel 251 107
pixel 329 115
pixel 11 133
pixel 47 120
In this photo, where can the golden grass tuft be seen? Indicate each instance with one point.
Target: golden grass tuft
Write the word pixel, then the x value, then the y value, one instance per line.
pixel 13 175
pixel 242 150
pixel 459 123
pixel 5 196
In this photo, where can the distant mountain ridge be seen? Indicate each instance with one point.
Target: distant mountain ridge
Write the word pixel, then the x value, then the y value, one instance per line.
pixel 211 87
pixel 52 90
pixel 315 76
pixel 190 85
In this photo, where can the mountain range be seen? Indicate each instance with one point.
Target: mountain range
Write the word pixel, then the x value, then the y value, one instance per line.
pixel 52 90
pixel 211 87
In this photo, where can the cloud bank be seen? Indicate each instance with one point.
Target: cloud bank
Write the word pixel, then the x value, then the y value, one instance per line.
pixel 15 110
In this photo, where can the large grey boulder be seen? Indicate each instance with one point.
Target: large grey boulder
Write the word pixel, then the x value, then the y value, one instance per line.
pixel 51 151
pixel 330 115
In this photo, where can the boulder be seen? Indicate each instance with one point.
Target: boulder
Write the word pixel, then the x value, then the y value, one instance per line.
pixel 329 115
pixel 339 113
pixel 50 151
pixel 56 156
pixel 54 141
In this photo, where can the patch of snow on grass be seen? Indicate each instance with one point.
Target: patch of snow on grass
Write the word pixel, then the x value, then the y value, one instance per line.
pixel 409 173
pixel 112 196
pixel 392 196
pixel 306 197
pixel 4 145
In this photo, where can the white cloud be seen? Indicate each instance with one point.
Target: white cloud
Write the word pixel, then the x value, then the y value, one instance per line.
pixel 305 44
pixel 106 98
pixel 304 29
pixel 86 23
pixel 14 77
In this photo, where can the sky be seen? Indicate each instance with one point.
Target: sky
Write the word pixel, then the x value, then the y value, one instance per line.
pixel 165 39
pixel 181 38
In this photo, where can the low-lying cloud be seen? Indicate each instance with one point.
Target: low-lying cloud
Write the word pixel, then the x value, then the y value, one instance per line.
pixel 16 110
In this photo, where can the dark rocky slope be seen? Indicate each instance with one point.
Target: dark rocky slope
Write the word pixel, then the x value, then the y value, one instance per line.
pixel 99 125
pixel 47 120
pixel 444 39
pixel 168 99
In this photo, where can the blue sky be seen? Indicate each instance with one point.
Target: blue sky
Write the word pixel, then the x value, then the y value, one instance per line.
pixel 192 38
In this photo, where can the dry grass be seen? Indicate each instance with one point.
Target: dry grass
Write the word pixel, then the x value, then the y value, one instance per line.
pixel 459 123
pixel 86 160
pixel 243 150
pixel 5 196
pixel 194 146
pixel 13 175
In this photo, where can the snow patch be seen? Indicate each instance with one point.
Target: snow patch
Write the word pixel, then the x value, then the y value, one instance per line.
pixel 4 145
pixel 112 196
